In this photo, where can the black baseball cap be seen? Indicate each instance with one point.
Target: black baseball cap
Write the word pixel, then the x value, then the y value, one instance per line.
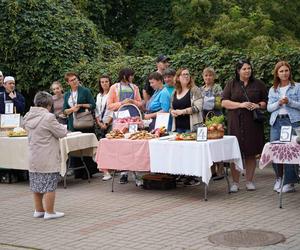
pixel 162 58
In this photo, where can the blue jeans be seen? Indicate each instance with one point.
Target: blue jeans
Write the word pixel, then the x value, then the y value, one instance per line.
pixel 289 169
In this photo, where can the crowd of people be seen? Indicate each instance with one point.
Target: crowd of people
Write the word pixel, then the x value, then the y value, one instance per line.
pixel 166 91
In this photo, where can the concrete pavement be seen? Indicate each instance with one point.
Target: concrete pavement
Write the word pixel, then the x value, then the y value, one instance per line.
pixel 133 218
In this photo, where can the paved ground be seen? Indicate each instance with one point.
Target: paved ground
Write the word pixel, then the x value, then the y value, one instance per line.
pixel 133 218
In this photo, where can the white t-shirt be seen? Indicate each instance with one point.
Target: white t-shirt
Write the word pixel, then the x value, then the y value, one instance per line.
pixel 282 94
pixel 101 102
pixel 72 101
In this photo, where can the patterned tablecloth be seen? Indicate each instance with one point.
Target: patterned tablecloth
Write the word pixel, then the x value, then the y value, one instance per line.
pixel 277 152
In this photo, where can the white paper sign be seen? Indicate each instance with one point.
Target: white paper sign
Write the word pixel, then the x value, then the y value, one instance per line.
pixel 10 121
pixel 286 133
pixel 132 128
pixel 162 120
pixel 9 107
pixel 202 134
pixel 122 114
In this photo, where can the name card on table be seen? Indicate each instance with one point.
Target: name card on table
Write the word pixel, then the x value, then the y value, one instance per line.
pixel 162 120
pixel 202 134
pixel 286 133
pixel 10 120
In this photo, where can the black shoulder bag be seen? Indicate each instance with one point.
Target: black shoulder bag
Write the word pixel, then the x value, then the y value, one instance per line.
pixel 258 114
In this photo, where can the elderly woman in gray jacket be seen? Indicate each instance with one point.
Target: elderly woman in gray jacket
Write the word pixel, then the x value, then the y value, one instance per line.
pixel 44 132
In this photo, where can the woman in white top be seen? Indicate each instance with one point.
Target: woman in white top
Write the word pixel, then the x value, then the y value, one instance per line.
pixel 103 115
pixel 284 106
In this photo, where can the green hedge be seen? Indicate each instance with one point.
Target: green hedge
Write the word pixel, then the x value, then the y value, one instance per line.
pixel 222 60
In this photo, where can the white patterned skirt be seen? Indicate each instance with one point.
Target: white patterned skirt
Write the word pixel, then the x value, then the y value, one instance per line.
pixel 43 182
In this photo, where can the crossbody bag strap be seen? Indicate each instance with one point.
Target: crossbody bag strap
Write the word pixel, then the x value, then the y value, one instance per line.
pixel 244 90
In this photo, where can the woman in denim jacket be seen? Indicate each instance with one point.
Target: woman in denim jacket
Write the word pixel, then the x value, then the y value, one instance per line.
pixel 284 106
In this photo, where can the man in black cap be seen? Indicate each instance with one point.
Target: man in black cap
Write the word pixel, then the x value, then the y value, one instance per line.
pixel 162 63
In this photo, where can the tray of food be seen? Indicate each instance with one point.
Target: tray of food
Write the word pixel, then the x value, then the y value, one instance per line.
pixel 141 135
pixel 17 132
pixel 186 137
pixel 115 134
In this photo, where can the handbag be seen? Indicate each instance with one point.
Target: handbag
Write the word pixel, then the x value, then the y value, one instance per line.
pixel 258 114
pixel 83 120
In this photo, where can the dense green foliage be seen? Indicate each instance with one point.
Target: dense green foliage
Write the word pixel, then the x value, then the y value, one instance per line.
pixel 41 40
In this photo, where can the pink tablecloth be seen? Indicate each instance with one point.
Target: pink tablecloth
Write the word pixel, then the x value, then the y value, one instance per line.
pixel 123 155
pixel 285 153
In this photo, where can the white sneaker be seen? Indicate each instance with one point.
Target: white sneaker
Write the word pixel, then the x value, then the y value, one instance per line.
pixel 250 186
pixel 287 188
pixel 37 214
pixel 48 216
pixel 106 177
pixel 234 187
pixel 277 185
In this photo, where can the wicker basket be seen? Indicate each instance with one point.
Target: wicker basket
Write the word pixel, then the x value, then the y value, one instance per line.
pixel 215 134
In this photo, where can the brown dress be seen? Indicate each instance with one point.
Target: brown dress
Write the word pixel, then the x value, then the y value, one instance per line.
pixel 249 133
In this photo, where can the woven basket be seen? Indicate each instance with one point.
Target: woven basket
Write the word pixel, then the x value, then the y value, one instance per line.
pixel 215 134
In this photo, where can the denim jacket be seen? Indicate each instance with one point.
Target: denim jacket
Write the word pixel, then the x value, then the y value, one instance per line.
pixel 293 106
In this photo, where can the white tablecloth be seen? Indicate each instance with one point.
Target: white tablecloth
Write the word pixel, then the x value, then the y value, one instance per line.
pixel 192 157
pixel 14 150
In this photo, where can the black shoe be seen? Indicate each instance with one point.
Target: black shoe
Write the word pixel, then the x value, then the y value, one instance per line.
pixel 215 177
pixel 191 182
pixel 123 179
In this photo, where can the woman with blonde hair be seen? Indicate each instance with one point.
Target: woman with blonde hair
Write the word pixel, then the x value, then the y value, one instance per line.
pixel 284 106
pixel 186 108
pixel 186 102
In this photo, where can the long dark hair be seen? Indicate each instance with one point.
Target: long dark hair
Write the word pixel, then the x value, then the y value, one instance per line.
pixel 125 73
pixel 99 82
pixel 238 67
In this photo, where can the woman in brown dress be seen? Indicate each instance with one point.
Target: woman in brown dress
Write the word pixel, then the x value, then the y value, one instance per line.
pixel 241 96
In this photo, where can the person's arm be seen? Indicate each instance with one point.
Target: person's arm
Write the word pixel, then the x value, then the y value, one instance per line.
pixel 273 101
pixel 58 130
pixel 19 102
pixel 112 102
pixel 137 98
pixel 295 103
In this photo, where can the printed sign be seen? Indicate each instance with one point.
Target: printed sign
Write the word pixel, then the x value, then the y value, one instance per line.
pixel 162 120
pixel 286 133
pixel 9 107
pixel 10 121
pixel 132 128
pixel 202 134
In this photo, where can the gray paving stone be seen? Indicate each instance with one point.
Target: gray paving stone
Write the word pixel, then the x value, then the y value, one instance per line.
pixel 133 218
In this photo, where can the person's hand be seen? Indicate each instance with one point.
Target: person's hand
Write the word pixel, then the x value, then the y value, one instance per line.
pixel 248 105
pixel 75 108
pixel 174 112
pixel 283 101
pixel 147 117
pixel 12 95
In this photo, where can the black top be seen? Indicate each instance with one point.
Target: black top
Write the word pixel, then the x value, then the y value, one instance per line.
pixel 182 121
pixel 19 102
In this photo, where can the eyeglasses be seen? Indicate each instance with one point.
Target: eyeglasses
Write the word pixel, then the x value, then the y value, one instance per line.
pixel 185 74
pixel 73 79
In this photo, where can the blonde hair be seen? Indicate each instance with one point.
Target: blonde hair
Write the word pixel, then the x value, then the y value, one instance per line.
pixel 209 70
